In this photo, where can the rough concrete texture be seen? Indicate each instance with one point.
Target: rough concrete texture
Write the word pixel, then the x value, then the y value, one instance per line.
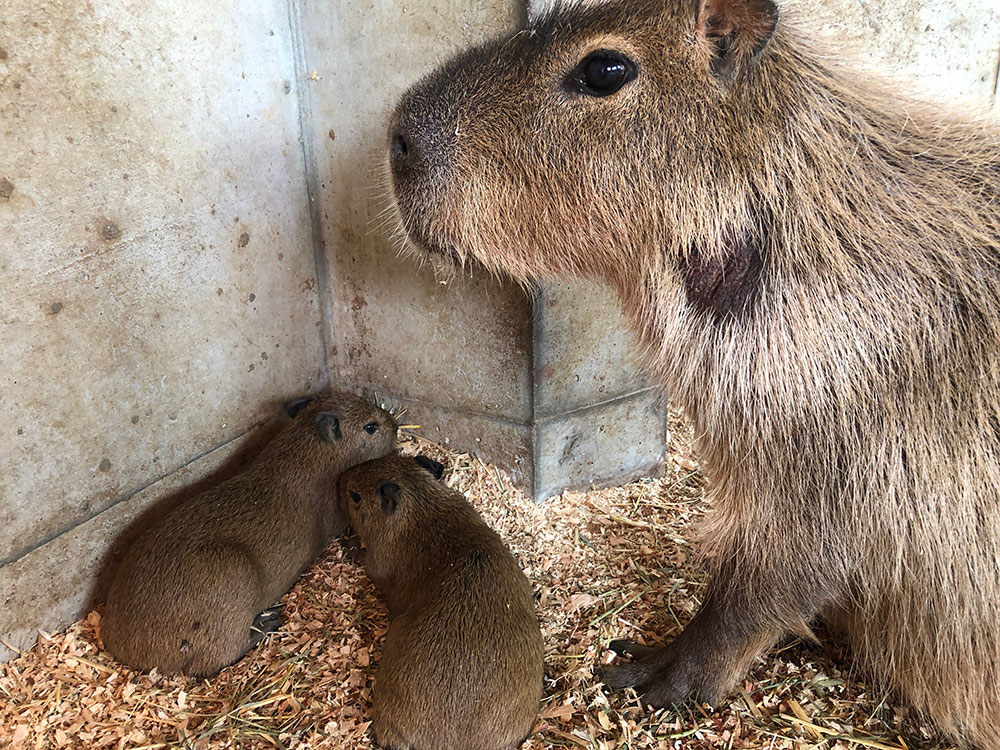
pixel 584 355
pixel 470 355
pixel 600 445
pixel 943 50
pixel 158 277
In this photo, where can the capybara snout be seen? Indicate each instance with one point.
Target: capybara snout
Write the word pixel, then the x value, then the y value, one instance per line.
pixel 584 108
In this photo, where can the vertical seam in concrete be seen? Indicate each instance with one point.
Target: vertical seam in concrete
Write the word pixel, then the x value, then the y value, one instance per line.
pixel 996 78
pixel 303 103
pixel 537 302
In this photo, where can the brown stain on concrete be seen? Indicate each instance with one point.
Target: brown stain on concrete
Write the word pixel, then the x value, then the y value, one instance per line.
pixel 109 230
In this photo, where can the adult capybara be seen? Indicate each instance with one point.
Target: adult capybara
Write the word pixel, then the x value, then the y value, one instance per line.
pixel 190 592
pixel 812 267
pixel 462 662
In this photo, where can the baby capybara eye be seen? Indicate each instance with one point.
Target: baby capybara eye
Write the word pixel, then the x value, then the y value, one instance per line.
pixel 356 498
pixel 371 428
pixel 601 73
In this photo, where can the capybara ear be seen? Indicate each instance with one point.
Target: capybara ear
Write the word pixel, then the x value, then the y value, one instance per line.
pixel 734 30
pixel 436 468
pixel 296 405
pixel 390 493
pixel 329 426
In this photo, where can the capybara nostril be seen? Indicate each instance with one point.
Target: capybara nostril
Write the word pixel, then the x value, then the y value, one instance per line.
pixel 399 151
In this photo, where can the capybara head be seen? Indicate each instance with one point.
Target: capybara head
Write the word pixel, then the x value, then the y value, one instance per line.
pixel 348 427
pixel 379 494
pixel 594 134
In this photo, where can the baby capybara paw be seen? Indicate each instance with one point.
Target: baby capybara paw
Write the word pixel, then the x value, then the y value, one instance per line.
pixel 268 621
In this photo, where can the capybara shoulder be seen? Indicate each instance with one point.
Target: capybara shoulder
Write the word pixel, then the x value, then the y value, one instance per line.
pixel 462 661
pixel 189 591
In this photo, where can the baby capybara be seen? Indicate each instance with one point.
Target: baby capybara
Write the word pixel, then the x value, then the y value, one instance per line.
pixel 462 662
pixel 188 591
pixel 811 264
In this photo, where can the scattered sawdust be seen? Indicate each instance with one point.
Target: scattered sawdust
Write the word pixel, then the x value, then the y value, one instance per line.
pixel 606 564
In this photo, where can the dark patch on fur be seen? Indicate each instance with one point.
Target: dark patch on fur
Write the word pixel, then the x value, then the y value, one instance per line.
pixel 724 284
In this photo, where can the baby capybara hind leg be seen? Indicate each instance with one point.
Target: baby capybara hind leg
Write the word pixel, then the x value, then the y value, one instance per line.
pixel 225 612
pixel 389 738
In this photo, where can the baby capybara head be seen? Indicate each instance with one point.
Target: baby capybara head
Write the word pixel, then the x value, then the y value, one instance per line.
pixel 569 146
pixel 347 427
pixel 377 496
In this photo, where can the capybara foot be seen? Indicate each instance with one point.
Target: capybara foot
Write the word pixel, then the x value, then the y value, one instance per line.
pixel 625 647
pixel 353 551
pixel 646 663
pixel 662 676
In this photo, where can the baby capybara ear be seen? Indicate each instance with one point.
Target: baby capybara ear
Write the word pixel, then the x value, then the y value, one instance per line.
pixel 734 31
pixel 329 426
pixel 390 492
pixel 296 405
pixel 436 468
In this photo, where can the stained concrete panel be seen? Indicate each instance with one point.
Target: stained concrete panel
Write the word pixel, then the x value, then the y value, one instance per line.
pixel 584 352
pixel 158 285
pixel 602 445
pixel 158 276
pixel 941 51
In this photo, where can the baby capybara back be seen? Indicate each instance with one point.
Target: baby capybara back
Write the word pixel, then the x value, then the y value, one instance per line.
pixel 462 662
pixel 189 592
pixel 812 267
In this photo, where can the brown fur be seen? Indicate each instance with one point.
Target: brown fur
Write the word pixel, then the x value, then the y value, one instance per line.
pixel 462 661
pixel 188 590
pixel 812 266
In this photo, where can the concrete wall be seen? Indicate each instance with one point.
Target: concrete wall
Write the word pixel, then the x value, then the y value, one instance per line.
pixel 158 284
pixel 189 198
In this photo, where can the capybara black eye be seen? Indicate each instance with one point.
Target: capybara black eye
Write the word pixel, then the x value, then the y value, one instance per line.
pixel 356 498
pixel 371 428
pixel 601 73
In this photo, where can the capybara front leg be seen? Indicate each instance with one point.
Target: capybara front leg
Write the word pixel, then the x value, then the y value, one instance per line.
pixel 704 661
